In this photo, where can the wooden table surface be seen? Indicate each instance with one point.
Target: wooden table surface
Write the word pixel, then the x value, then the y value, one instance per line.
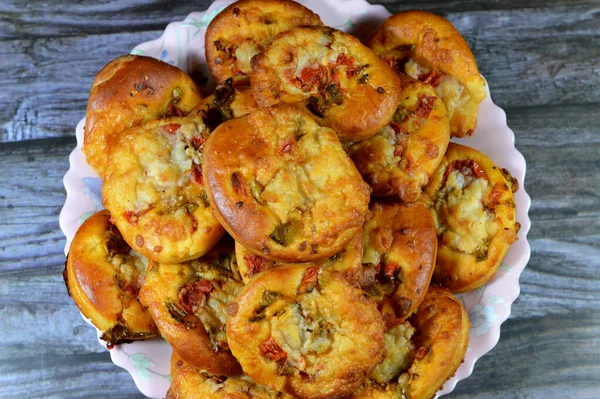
pixel 541 59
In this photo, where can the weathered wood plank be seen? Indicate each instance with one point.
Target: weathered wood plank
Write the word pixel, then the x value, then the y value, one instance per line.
pixel 41 18
pixel 558 359
pixel 524 67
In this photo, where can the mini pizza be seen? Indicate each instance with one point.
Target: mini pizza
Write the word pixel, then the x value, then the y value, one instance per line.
pixel 343 83
pixel 130 91
pixel 188 382
pixel 283 186
pixel 226 103
pixel 348 262
pixel 399 255
pixel 399 159
pixel 442 336
pixel 189 303
pixel 427 47
pixel 310 334
pixel 242 30
pixel 154 190
pixel 103 276
pixel 472 202
pixel 440 341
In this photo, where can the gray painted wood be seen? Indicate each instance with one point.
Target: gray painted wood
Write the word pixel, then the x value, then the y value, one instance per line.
pixel 542 63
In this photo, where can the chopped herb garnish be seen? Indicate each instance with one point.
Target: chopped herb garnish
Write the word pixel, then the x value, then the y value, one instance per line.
pixel 176 312
pixel 267 299
pixel 281 234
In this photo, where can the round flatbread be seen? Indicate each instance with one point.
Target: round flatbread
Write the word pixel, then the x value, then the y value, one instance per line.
pixel 304 333
pixel 472 202
pixel 440 340
pixel 332 74
pixel 427 47
pixel 130 91
pixel 242 30
pixel 399 159
pixel 154 190
pixel 103 277
pixel 189 303
pixel 399 255
pixel 278 182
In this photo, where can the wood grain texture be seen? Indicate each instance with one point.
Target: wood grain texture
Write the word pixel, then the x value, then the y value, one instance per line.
pixel 542 63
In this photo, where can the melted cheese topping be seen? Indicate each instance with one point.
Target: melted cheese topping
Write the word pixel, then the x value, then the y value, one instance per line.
pixel 460 217
pixel 450 90
pixel 400 353
pixel 301 333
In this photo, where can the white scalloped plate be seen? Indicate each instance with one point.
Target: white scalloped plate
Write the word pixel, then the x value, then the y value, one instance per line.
pixel 182 44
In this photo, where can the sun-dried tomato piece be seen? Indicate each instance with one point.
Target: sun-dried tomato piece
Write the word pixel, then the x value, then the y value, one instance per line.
pixel 312 76
pixel 170 128
pixel 238 183
pixel 425 105
pixel 256 264
pixel 433 78
pixel 287 145
pixel 193 296
pixel 197 175
pixel 466 167
pixel 310 280
pixel 272 350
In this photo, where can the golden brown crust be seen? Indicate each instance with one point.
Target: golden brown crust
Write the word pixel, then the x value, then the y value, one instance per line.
pixel 429 48
pixel 190 383
pixel 277 182
pixel 442 336
pixel 343 83
pixel 308 334
pixel 227 102
pixel 127 92
pixel 400 245
pixel 472 203
pixel 242 30
pixel 347 262
pixel 154 190
pixel 103 279
pixel 188 302
pixel 399 159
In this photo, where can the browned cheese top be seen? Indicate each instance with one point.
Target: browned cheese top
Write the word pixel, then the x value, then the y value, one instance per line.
pixel 331 73
pixel 283 186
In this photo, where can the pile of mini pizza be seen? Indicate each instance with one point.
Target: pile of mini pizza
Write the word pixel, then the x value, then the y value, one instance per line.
pixel 300 232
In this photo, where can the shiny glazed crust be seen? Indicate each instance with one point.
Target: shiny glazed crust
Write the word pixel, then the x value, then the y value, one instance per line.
pixel 277 182
pixel 348 261
pixel 343 83
pixel 308 334
pixel 476 223
pixel 190 383
pixel 103 280
pixel 154 190
pixel 227 102
pixel 242 30
pixel 400 245
pixel 399 159
pixel 127 92
pixel 188 302
pixel 433 44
